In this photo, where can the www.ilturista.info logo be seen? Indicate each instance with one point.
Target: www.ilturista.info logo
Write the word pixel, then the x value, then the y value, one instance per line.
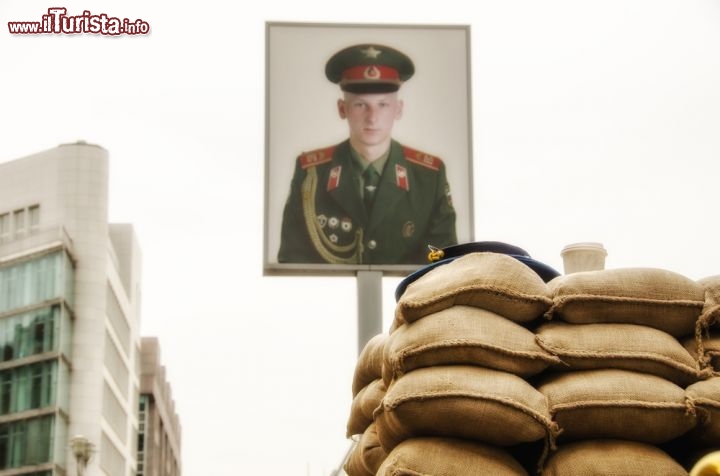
pixel 57 22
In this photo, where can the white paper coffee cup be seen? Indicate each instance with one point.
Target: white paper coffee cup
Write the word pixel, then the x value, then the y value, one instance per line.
pixel 586 256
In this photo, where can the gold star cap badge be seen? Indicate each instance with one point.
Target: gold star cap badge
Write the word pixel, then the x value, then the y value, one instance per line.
pixel 369 68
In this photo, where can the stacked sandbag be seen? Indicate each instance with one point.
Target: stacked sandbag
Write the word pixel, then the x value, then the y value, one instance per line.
pixel 650 297
pixel 629 347
pixel 611 457
pixel 491 281
pixel 707 335
pixel 615 403
pixel 363 406
pixel 464 335
pixel 705 348
pixel 369 364
pixel 456 365
pixel 619 334
pixel 704 396
pixel 601 372
pixel 368 390
pixel 448 456
pixel 367 456
pixel 462 401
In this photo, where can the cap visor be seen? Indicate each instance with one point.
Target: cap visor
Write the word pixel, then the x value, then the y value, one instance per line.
pixel 369 88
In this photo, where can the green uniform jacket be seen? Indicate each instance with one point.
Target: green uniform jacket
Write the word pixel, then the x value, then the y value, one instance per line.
pixel 325 221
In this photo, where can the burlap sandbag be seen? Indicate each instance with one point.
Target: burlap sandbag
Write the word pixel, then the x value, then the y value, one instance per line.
pixel 463 401
pixel 611 458
pixel 706 351
pixel 621 346
pixel 448 457
pixel 646 296
pixel 612 403
pixel 492 281
pixel 708 325
pixel 367 456
pixel 369 363
pixel 711 284
pixel 464 335
pixel 705 397
pixel 363 406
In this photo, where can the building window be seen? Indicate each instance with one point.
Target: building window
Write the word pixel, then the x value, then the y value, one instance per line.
pixel 19 223
pixel 30 333
pixel 5 395
pixel 29 387
pixel 34 218
pixel 26 442
pixel 19 219
pixel 34 281
pixel 142 426
pixel 4 227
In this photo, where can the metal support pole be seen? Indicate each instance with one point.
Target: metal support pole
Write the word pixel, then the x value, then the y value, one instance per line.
pixel 369 298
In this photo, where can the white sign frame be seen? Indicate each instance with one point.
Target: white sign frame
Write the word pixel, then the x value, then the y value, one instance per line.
pixel 301 115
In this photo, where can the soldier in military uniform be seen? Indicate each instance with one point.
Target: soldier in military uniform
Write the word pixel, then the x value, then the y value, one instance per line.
pixel 369 199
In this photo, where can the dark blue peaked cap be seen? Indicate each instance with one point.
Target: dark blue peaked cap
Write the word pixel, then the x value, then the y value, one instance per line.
pixel 440 257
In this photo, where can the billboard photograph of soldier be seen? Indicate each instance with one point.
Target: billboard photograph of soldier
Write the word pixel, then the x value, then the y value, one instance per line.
pixel 365 197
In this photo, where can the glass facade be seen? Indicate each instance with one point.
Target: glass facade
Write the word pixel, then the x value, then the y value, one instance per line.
pixel 142 433
pixel 35 332
pixel 28 387
pixel 34 281
pixel 26 442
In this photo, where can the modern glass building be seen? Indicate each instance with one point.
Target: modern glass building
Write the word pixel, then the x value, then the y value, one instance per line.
pixel 159 425
pixel 35 338
pixel 69 319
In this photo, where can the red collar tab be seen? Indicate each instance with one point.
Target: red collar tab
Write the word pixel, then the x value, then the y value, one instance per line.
pixel 334 178
pixel 401 177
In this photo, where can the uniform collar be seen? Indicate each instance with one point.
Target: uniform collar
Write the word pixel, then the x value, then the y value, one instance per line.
pixel 361 163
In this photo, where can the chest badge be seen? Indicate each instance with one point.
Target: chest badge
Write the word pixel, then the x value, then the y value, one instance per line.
pixel 408 229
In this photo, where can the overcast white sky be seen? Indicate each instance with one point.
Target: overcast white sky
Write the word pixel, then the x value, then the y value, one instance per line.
pixel 592 121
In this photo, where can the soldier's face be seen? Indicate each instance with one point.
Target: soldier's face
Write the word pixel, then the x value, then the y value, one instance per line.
pixel 370 116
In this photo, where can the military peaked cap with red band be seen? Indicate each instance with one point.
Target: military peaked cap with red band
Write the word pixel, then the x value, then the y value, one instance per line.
pixel 369 68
